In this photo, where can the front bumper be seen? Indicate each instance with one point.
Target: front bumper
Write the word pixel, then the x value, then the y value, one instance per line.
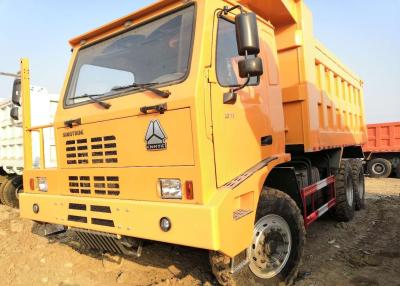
pixel 192 225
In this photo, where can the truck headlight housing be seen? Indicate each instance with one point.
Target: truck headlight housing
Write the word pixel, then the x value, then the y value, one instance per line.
pixel 42 184
pixel 170 189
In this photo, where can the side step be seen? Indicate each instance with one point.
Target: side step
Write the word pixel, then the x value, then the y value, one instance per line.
pixel 108 242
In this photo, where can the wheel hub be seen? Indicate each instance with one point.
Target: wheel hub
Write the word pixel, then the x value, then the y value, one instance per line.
pixel 378 168
pixel 271 246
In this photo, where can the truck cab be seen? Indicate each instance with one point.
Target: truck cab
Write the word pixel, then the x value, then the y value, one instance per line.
pixel 187 157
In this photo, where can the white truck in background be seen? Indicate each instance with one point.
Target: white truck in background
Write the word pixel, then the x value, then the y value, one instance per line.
pixel 11 142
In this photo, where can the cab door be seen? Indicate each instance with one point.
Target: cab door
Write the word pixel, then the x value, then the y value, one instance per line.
pixel 242 130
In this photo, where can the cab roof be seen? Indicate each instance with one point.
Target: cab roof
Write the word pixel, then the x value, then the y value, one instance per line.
pixel 279 12
pixel 121 21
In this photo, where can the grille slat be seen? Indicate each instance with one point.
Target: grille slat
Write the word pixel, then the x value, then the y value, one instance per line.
pixel 103 222
pixel 80 207
pixel 113 193
pixel 76 218
pixel 100 209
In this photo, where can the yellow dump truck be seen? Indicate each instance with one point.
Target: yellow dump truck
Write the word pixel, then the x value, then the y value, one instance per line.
pixel 220 125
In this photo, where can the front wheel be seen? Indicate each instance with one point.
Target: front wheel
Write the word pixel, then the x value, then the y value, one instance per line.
pixel 276 248
pixel 11 191
pixel 3 181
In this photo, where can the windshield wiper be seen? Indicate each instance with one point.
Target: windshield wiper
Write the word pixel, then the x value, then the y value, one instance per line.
pixel 93 98
pixel 146 86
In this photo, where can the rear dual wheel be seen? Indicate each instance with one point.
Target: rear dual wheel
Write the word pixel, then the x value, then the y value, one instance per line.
pixel 357 171
pixel 276 249
pixel 398 171
pixel 379 168
pixel 345 194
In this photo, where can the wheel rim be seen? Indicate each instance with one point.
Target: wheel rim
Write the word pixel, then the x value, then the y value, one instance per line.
pixel 378 168
pixel 349 192
pixel 271 246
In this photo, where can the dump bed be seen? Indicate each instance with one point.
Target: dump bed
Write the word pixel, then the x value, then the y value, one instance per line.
pixel 383 137
pixel 323 99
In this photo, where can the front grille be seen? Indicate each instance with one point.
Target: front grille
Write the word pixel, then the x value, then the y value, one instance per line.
pixel 77 152
pixel 97 150
pixel 98 185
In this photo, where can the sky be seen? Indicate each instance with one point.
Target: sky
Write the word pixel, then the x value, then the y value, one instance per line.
pixel 364 34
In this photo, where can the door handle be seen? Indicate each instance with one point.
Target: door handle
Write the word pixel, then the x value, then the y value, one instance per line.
pixel 266 140
pixel 73 122
pixel 160 108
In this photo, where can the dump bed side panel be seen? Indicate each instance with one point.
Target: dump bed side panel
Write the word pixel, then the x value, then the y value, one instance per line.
pixel 323 100
pixel 384 137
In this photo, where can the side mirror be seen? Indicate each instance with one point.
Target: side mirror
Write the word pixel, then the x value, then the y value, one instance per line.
pixel 248 44
pixel 16 92
pixel 14 113
pixel 247 34
pixel 250 67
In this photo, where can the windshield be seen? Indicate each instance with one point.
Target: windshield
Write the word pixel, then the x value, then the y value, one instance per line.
pixel 157 52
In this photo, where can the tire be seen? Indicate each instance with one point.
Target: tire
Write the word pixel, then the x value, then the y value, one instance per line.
pixel 3 181
pixel 357 171
pixel 345 202
pixel 11 190
pixel 398 171
pixel 379 168
pixel 277 214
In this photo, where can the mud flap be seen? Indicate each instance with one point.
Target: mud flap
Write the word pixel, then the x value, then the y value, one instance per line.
pixel 48 229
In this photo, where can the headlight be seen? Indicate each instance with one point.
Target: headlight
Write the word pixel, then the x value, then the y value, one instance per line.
pixel 42 184
pixel 170 188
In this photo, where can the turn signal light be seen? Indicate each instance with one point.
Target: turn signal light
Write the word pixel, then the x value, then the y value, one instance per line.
pixel 32 183
pixel 189 190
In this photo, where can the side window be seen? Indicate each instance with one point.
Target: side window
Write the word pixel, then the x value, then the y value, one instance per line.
pixel 228 56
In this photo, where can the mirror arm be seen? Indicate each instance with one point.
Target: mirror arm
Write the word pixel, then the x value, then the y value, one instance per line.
pixel 247 81
pixel 231 96
pixel 226 9
pixel 243 85
pixel 222 16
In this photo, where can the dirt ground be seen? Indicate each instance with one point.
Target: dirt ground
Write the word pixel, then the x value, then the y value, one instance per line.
pixel 365 252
